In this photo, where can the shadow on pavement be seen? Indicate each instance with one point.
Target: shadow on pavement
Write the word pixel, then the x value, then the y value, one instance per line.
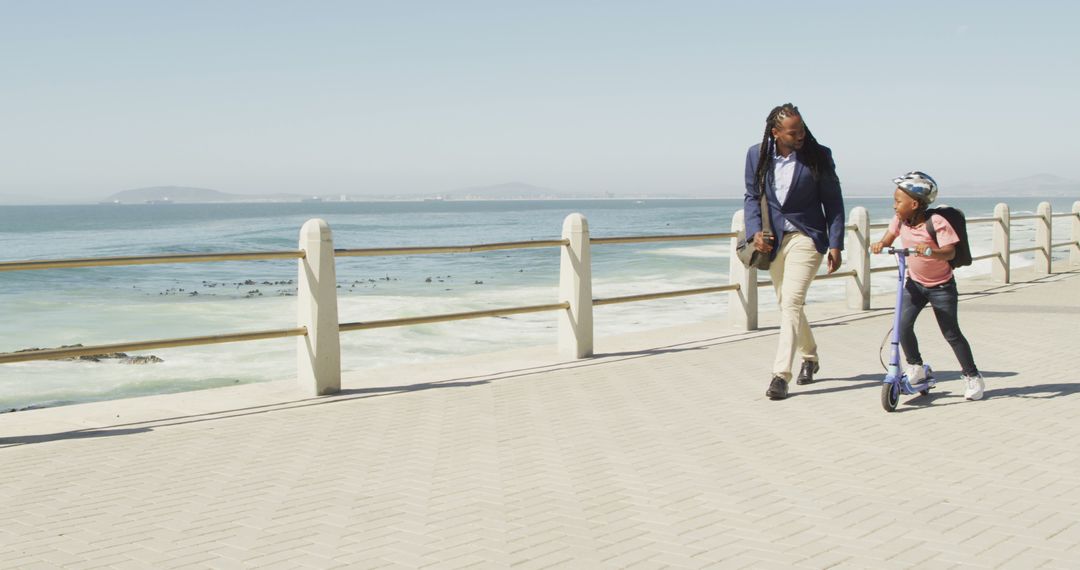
pixel 77 434
pixel 828 385
pixel 149 425
pixel 861 381
pixel 1037 391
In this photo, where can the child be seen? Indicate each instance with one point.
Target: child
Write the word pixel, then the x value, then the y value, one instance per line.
pixel 930 277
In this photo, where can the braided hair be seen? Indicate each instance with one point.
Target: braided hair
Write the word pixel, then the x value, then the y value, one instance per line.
pixel 812 154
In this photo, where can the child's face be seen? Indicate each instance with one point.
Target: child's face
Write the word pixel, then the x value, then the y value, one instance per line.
pixel 904 206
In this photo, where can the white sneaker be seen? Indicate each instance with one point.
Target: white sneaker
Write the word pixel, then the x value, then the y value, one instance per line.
pixel 916 373
pixel 975 387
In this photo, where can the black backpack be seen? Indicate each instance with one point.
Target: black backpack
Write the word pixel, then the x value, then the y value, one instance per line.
pixel 959 224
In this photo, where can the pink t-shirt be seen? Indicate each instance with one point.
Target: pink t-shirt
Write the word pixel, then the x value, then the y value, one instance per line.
pixel 927 271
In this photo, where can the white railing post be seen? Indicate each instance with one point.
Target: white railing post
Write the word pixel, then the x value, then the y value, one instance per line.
pixel 742 302
pixel 999 266
pixel 1043 236
pixel 318 358
pixel 1074 250
pixel 858 247
pixel 575 288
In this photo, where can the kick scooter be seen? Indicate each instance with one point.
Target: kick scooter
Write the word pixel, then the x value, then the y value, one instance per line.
pixel 897 382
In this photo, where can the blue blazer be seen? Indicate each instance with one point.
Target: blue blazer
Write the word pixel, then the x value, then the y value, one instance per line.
pixel 815 207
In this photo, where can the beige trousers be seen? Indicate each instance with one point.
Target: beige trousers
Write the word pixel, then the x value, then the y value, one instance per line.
pixel 792 271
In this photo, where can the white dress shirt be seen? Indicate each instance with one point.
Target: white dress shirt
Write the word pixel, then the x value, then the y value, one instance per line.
pixel 783 173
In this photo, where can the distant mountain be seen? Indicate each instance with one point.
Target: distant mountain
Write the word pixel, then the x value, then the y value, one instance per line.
pixel 1039 185
pixel 189 195
pixel 177 194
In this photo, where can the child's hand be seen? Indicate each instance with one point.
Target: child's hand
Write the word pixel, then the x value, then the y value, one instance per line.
pixel 876 247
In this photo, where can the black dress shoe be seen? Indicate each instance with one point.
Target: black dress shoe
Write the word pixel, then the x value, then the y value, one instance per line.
pixel 777 389
pixel 806 375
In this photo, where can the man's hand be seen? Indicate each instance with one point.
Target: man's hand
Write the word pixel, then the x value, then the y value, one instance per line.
pixel 834 260
pixel 761 244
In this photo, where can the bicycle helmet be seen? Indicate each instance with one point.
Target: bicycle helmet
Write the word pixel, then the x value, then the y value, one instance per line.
pixel 918 185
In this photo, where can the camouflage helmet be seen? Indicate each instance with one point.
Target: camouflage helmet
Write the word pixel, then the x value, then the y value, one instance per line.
pixel 918 185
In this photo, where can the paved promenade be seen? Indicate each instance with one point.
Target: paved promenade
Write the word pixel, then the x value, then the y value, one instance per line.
pixel 661 452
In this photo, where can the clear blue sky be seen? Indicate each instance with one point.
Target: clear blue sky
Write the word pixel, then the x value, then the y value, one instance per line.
pixel 370 97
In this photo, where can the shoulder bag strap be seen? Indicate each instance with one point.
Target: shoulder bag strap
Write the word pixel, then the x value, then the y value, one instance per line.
pixel 930 228
pixel 766 227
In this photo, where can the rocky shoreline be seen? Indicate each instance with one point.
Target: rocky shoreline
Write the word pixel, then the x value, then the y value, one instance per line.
pixel 119 357
pixel 251 288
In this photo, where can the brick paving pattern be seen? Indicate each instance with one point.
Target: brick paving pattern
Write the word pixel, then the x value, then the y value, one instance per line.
pixel 661 452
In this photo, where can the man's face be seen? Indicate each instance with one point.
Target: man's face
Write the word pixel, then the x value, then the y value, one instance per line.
pixel 791 134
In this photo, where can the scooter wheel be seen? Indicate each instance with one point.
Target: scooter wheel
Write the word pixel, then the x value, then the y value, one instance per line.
pixel 925 392
pixel 890 395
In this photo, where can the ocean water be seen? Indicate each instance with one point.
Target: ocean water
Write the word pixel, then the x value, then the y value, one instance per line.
pixel 119 304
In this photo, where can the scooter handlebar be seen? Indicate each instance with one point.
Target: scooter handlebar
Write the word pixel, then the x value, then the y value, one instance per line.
pixel 899 250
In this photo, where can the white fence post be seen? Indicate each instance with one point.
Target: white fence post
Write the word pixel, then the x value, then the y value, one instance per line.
pixel 742 302
pixel 1043 237
pixel 318 357
pixel 858 247
pixel 999 267
pixel 1074 250
pixel 575 287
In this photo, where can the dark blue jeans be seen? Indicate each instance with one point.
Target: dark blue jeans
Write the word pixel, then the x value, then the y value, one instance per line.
pixel 943 298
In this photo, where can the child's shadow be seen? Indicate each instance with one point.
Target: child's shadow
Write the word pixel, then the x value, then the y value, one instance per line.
pixel 946 397
pixel 1035 391
pixel 1038 391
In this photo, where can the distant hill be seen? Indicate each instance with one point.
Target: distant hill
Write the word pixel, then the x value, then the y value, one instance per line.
pixel 177 194
pixel 1039 185
pixel 189 195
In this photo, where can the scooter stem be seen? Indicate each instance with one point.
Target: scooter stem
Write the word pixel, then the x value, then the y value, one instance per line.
pixel 901 266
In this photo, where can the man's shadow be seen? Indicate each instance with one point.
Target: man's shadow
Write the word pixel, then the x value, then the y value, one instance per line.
pixel 834 385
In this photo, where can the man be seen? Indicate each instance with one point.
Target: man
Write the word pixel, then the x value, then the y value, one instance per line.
pixel 806 214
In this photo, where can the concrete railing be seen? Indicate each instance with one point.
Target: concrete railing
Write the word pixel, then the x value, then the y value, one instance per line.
pixel 318 329
pixel 575 277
